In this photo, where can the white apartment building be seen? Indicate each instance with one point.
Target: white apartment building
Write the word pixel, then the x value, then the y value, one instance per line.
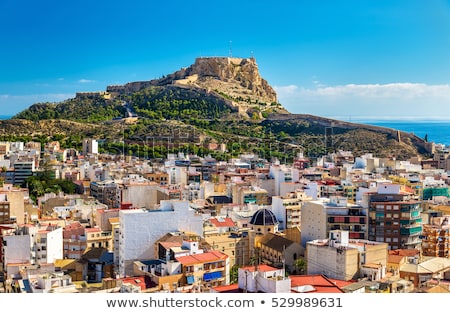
pixel 90 146
pixel 287 208
pixel 263 278
pixel 17 247
pixel 33 245
pixel 48 245
pixel 335 213
pixel 283 174
pixel 142 193
pixel 342 258
pixel 139 230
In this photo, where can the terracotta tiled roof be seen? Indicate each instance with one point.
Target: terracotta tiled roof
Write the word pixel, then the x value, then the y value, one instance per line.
pixel 202 258
pixel 137 281
pixel 233 288
pixel 261 268
pixel 92 230
pixel 168 244
pixel 226 222
pixel 317 283
pixel 395 258
pixel 404 252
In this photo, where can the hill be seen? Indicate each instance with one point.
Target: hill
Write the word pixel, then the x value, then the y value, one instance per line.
pixel 196 109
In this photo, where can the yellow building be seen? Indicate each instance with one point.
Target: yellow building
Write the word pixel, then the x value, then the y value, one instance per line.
pixel 96 238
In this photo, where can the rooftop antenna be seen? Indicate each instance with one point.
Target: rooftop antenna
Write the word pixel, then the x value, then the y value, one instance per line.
pixel 231 50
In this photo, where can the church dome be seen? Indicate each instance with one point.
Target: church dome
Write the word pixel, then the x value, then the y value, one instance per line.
pixel 264 217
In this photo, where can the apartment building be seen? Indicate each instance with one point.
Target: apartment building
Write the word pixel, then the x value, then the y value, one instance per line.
pixel 183 266
pixel 343 258
pixel 139 230
pixel 74 241
pixel 287 209
pixel 249 194
pixel 139 191
pixel 90 146
pixel 48 245
pixel 23 170
pixel 436 237
pixel 263 278
pixel 322 216
pixel 5 210
pixel 29 244
pixel 394 216
pixel 205 270
pixel 234 243
pixel 106 192
pixel 97 238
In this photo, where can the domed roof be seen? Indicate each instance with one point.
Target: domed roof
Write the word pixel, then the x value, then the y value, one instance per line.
pixel 264 217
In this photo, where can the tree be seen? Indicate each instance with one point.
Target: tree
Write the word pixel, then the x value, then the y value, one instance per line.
pixel 35 186
pixel 300 266
pixel 234 274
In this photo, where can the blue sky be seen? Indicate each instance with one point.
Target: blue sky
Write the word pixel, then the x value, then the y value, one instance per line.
pixel 349 59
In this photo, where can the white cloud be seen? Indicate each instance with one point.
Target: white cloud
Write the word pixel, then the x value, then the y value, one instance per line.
pixel 374 100
pixel 86 81
pixel 287 90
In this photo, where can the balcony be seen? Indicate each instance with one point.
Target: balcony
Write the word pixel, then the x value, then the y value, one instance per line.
pixel 414 242
pixel 410 208
pixel 410 230
pixel 212 276
pixel 213 267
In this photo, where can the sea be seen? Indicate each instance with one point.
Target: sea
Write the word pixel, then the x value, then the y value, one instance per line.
pixel 433 130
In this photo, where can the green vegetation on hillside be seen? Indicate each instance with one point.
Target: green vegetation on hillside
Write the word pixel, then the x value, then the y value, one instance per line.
pixel 175 119
pixel 174 103
pixel 85 109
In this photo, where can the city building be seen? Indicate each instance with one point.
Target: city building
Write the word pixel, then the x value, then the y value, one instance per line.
pixel 89 146
pixel 74 241
pixel 394 216
pixel 287 209
pixel 106 192
pixel 249 194
pixel 205 270
pixel 23 170
pixel 278 251
pixel 347 259
pixel 436 238
pixel 139 230
pixel 263 278
pixel 322 216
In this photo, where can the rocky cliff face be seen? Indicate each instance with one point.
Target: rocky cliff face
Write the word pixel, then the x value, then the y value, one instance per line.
pixel 236 79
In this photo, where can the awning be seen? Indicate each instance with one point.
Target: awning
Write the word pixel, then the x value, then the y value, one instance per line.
pixel 212 276
pixel 190 280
